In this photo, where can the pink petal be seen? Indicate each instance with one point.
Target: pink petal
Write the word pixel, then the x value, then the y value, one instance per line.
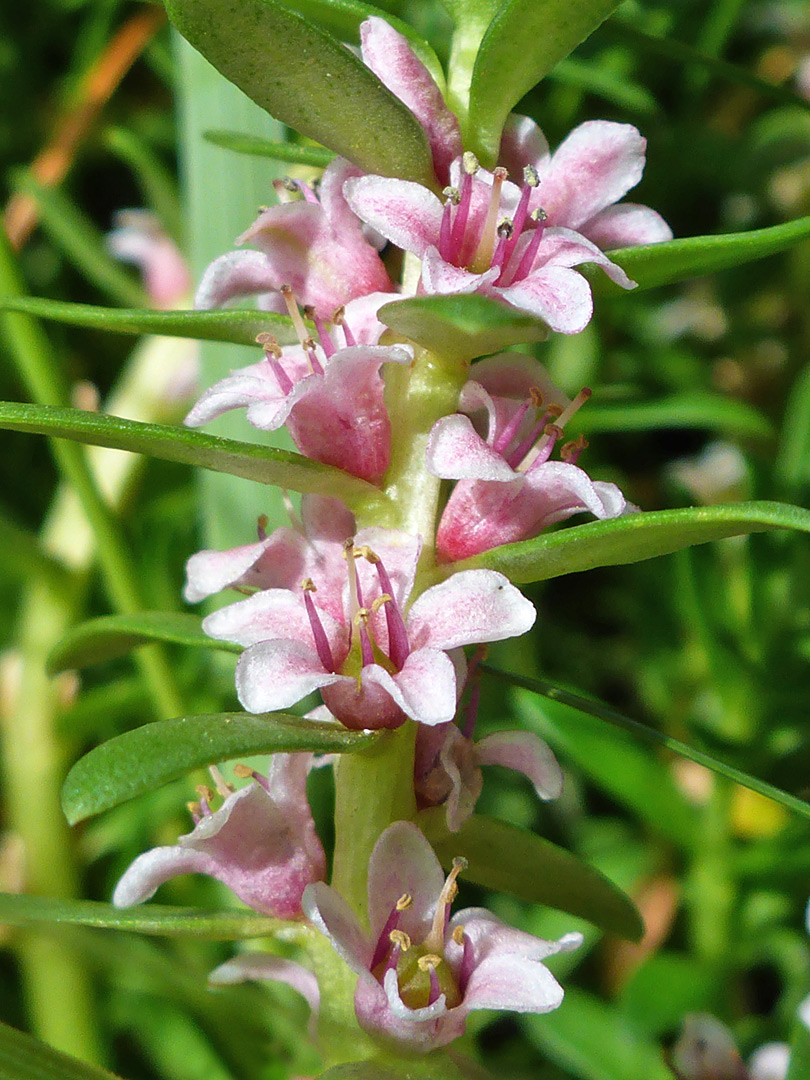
pixel 238 273
pixel 489 935
pixel 367 704
pixel 460 760
pixel 511 375
pixel 522 144
pixel 410 1030
pixel 139 238
pixel 251 387
pixel 270 614
pixel 392 60
pixel 626 225
pixel 328 912
pixel 559 296
pixel 524 752
pixel 425 689
pixel 455 450
pixel 442 277
pixel 564 247
pixel 506 981
pixel 254 966
pixel 209 571
pixel 469 607
pixel 403 862
pixel 276 674
pixel 556 489
pixel 592 169
pixel 361 317
pixel 405 213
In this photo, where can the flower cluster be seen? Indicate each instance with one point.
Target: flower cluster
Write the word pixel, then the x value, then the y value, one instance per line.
pixel 362 608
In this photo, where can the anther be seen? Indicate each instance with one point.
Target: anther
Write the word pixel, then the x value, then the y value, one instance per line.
pixel 571 451
pixel 206 795
pixel 244 772
pixel 380 602
pixel 398 645
pixel 458 935
pixel 452 194
pixel 428 962
pixel 339 319
pixel 261 526
pixel 289 184
pixel 531 176
pixel 405 901
pixel 195 810
pixel 469 163
pixel 270 345
pixel 438 928
pixel 400 938
pixel 539 217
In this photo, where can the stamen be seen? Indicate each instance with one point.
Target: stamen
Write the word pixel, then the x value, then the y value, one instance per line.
pixel 195 810
pixel 223 787
pixel 390 929
pixel 554 432
pixel 323 334
pixel 318 633
pixel 339 319
pixel 446 230
pixel 355 600
pixel 244 772
pixel 435 939
pixel 482 259
pixel 467 958
pixel 571 451
pixel 400 939
pixel 295 314
pixel 206 795
pixel 505 230
pixel 273 354
pixel 361 622
pixel 528 257
pixel 286 190
pixel 261 526
pixel 469 164
pixel 429 963
pixel 399 648
pixel 517 455
pixel 314 363
pixel 511 429
pixel 532 180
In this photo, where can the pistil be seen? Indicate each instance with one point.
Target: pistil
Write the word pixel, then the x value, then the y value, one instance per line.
pixel 538 450
pixel 434 942
pixel 307 342
pixel 482 259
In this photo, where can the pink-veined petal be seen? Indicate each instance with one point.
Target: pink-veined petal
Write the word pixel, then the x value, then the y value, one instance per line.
pixel 208 572
pixel 524 752
pixel 392 60
pixel 401 862
pixel 425 689
pixel 557 489
pixel 565 247
pixel 406 213
pixel 594 167
pixel 270 614
pixel 237 273
pixel 442 277
pixel 522 144
pixel 559 296
pixel 331 915
pixel 456 451
pixel 469 607
pixel 277 674
pixel 507 981
pixel 626 225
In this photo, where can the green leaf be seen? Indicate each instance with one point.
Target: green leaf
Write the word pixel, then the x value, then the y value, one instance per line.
pixel 513 860
pixel 316 156
pixel 594 1041
pixel 715 412
pixel 461 327
pixel 309 80
pixel 111 636
pixel 651 265
pixel 163 921
pixel 154 754
pixel 249 460
pixel 234 325
pixel 630 539
pixel 522 44
pixel 23 1057
pixel 578 737
pixel 435 1066
pixel 799 1067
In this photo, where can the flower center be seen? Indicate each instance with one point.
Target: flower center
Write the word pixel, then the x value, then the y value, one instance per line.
pixel 537 445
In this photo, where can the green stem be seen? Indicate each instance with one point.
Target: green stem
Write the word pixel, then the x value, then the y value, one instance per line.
pixel 711 890
pixel 43 377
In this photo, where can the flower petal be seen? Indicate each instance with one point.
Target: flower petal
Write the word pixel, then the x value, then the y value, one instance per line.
pixel 456 451
pixel 625 225
pixel 237 273
pixel 270 614
pixel 559 296
pixel 564 247
pixel 403 862
pixel 522 144
pixel 277 674
pixel 254 966
pixel 425 689
pixel 392 60
pixel 469 607
pixel 442 277
pixel 524 752
pixel 591 169
pixel 406 213
pixel 328 912
pixel 507 981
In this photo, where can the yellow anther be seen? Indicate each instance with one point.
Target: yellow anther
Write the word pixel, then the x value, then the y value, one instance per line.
pixel 380 601
pixel 458 935
pixel 452 194
pixel 405 901
pixel 531 176
pixel 290 184
pixel 204 792
pixel 400 938
pixel 269 344
pixel 308 585
pixel 242 771
pixel 536 397
pixel 470 163
pixel 428 962
pixel 369 555
pixel 339 315
pixel 194 809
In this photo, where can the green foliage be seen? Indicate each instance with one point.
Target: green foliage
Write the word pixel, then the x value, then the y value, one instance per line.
pixel 25 1058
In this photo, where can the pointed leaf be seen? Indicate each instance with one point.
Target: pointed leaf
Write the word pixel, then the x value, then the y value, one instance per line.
pixel 578 737
pixel 714 412
pixel 111 636
pixel 631 538
pixel 316 156
pixel 264 464
pixel 22 1057
pixel 651 265
pixel 147 757
pixel 234 325
pixel 163 921
pixel 521 45
pixel 461 327
pixel 309 80
pixel 513 860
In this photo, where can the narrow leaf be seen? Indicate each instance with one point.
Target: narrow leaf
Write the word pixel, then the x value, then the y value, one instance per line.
pixel 22 1057
pixel 303 76
pixel 651 265
pixel 111 636
pixel 799 1067
pixel 168 749
pixel 632 538
pixel 317 156
pixel 237 326
pixel 513 860
pixel 715 412
pixel 570 736
pixel 437 1066
pixel 522 44
pixel 163 921
pixel 461 327
pixel 264 464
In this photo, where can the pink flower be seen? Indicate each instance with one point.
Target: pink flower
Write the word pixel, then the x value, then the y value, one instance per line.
pixel 509 488
pixel 394 62
pixel 139 238
pixel 447 769
pixel 314 244
pixel 331 399
pixel 375 658
pixel 261 843
pixel 420 971
pixel 494 237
